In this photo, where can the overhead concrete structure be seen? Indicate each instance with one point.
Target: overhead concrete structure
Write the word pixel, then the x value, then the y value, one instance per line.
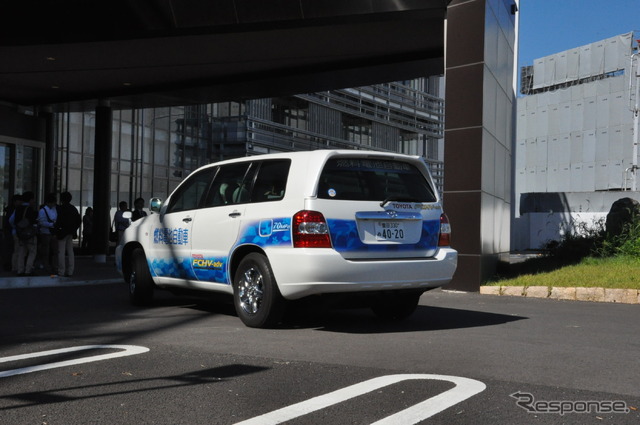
pixel 160 53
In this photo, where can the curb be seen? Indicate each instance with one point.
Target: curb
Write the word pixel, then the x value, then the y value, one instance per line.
pixel 620 296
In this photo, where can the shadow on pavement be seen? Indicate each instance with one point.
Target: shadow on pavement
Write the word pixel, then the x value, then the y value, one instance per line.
pixel 309 315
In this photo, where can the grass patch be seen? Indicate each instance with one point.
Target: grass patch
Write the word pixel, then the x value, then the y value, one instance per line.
pixel 605 255
pixel 619 272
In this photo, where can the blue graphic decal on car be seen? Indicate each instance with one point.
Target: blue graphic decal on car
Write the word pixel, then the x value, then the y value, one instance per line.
pixel 209 269
pixel 271 232
pixel 171 267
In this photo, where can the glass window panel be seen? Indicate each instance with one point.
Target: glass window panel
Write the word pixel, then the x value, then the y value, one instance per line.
pixel 123 185
pixel 160 188
pixel 162 172
pixel 75 160
pixel 125 166
pixel 124 152
pixel 89 163
pixel 30 169
pixel 146 185
pixel 75 137
pixel 126 115
pixel 160 149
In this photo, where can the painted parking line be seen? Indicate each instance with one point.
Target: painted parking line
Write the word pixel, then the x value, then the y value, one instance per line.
pixel 126 350
pixel 464 388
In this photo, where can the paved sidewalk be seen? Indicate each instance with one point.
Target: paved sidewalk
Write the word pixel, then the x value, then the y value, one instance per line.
pixel 87 272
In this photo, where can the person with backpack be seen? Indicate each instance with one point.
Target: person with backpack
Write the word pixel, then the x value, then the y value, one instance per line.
pixel 25 222
pixel 47 242
pixel 66 230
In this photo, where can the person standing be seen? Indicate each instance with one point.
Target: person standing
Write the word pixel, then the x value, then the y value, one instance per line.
pixel 26 235
pixel 11 240
pixel 66 231
pixel 119 221
pixel 87 229
pixel 47 242
pixel 138 211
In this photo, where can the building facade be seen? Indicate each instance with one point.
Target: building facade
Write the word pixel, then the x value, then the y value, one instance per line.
pixel 154 149
pixel 575 142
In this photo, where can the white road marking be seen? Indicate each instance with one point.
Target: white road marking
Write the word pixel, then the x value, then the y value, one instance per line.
pixel 127 350
pixel 464 389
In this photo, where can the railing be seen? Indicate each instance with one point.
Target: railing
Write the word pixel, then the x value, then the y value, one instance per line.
pixel 267 136
pixel 406 108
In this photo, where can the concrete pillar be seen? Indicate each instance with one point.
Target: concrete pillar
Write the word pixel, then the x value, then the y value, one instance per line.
pixel 102 182
pixel 49 151
pixel 479 108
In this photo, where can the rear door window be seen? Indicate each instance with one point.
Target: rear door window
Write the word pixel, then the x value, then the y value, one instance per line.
pixel 361 179
pixel 271 182
pixel 231 185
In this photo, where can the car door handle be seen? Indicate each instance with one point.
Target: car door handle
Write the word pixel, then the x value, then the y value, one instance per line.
pixel 235 214
pixel 187 219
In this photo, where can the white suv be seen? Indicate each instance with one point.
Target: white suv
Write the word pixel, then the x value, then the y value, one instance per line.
pixel 279 227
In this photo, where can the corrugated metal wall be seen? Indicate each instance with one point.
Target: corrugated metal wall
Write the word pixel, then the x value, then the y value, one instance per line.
pixel 576 133
pixel 582 62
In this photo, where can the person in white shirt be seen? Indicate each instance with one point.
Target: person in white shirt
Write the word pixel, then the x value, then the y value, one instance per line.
pixel 47 242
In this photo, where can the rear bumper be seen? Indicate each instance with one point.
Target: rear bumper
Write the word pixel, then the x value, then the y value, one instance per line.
pixel 306 271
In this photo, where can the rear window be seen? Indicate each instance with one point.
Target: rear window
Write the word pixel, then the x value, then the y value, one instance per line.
pixel 358 179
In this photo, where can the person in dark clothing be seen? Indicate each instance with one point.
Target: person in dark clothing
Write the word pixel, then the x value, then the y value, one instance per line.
pixel 10 254
pixel 47 242
pixel 138 211
pixel 87 229
pixel 121 223
pixel 66 231
pixel 27 245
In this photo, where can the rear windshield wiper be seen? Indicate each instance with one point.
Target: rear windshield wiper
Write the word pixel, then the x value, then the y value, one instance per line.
pixel 396 198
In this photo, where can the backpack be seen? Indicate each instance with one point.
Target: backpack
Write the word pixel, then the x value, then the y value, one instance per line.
pixel 24 229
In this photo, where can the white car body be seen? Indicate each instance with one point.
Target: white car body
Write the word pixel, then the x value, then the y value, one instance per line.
pixel 200 248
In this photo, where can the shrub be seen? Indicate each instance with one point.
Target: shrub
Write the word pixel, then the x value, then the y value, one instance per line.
pixel 581 241
pixel 627 242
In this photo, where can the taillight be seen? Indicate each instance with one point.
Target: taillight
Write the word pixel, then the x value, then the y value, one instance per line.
pixel 445 231
pixel 310 230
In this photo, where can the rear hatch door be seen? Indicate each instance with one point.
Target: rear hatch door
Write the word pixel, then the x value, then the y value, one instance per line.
pixel 379 208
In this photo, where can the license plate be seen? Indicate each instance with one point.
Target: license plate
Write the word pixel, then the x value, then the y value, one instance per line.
pixel 389 231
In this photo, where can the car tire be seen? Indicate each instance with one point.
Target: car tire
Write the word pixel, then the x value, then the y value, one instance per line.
pixel 396 306
pixel 256 296
pixel 140 282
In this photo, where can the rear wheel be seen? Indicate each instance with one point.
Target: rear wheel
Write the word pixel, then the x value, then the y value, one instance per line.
pixel 396 306
pixel 257 299
pixel 140 281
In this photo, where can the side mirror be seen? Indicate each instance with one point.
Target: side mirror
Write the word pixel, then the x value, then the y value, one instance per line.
pixel 155 204
pixel 127 215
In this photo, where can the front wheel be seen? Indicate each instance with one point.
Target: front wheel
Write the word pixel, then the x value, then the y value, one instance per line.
pixel 256 296
pixel 140 280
